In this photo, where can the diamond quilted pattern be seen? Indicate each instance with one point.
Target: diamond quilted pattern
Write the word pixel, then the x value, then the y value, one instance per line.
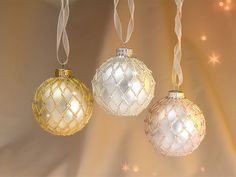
pixel 62 106
pixel 175 126
pixel 123 86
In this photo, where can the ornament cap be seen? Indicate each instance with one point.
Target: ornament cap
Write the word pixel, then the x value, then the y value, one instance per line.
pixel 124 52
pixel 63 73
pixel 176 94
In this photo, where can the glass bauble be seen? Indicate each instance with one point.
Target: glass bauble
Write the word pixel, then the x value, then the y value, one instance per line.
pixel 175 125
pixel 62 105
pixel 123 85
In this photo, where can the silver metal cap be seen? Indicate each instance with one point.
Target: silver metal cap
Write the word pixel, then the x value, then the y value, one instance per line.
pixel 124 52
pixel 176 94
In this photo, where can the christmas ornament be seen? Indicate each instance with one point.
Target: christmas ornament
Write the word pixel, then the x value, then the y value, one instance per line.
pixel 123 85
pixel 175 125
pixel 62 105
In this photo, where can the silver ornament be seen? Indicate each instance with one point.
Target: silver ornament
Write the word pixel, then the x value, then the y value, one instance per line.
pixel 123 85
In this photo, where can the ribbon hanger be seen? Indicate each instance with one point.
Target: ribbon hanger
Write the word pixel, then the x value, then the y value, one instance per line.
pixel 117 22
pixel 62 33
pixel 177 73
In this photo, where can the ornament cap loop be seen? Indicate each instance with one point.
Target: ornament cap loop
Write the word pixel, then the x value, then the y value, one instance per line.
pixel 63 73
pixel 124 52
pixel 176 94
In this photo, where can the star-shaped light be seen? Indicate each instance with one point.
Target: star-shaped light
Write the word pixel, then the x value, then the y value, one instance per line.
pixel 221 3
pixel 125 167
pixel 225 5
pixel 135 168
pixel 227 8
pixel 202 169
pixel 214 59
pixel 203 38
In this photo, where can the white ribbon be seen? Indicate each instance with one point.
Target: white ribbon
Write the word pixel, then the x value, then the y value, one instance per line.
pixel 117 21
pixel 61 31
pixel 177 74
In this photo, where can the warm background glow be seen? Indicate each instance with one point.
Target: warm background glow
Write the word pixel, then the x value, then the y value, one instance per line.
pixel 107 144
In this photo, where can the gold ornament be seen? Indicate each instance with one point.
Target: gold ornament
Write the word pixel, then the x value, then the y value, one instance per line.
pixel 62 105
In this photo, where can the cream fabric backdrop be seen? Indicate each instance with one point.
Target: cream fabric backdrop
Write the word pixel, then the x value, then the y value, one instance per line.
pixel 28 56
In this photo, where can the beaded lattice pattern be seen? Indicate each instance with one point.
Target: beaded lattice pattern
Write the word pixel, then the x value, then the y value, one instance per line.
pixel 62 106
pixel 175 126
pixel 123 86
